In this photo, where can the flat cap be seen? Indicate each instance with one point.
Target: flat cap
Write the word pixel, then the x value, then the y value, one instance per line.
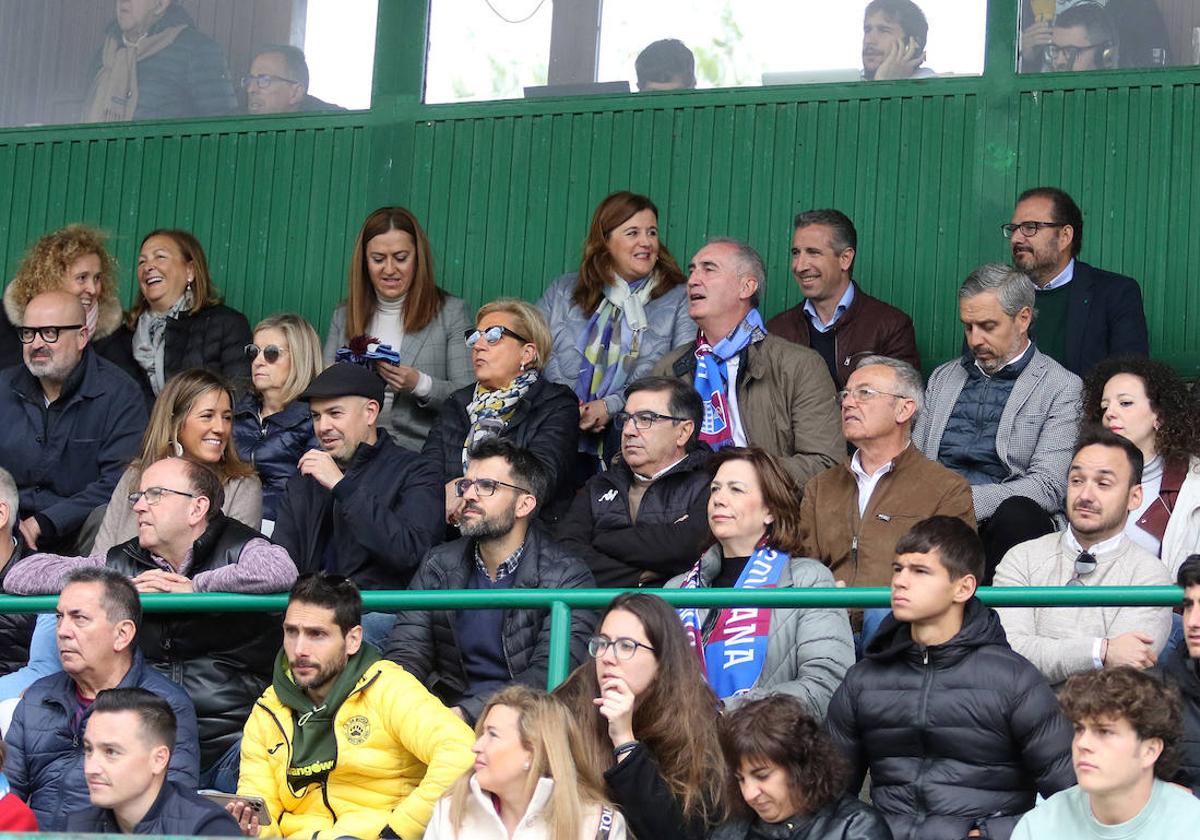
pixel 343 379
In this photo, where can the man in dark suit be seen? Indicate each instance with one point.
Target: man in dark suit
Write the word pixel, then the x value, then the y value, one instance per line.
pixel 1085 314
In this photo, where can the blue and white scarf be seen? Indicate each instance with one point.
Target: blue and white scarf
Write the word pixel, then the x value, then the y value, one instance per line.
pixel 712 377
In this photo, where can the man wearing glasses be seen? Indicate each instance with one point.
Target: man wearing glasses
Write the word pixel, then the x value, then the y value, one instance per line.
pixel 1103 486
pixel 644 520
pixel 465 656
pixel 278 83
pixel 72 423
pixel 1085 314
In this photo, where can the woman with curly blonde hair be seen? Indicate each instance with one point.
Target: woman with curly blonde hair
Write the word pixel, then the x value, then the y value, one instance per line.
pixel 72 259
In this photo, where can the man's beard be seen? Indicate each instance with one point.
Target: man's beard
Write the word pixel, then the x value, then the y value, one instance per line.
pixel 489 527
pixel 325 674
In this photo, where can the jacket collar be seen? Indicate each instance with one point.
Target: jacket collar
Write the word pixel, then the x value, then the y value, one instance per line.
pixel 753 357
pixel 981 626
pixel 291 415
pixel 367 452
pixel 620 473
pixel 528 574
pixel 82 383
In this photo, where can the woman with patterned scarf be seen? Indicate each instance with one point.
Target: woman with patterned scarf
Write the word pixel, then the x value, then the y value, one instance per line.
pixel 615 317
pixel 754 516
pixel 510 398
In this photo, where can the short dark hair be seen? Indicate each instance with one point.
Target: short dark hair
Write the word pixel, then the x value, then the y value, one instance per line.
pixel 844 234
pixel 957 545
pixel 682 399
pixel 293 57
pixel 906 13
pixel 1065 212
pixel 779 729
pixel 527 471
pixel 156 715
pixel 665 61
pixel 1150 705
pixel 1093 435
pixel 118 596
pixel 1189 572
pixel 1096 20
pixel 206 483
pixel 332 592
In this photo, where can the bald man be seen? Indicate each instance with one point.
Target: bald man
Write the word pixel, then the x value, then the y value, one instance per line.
pixel 71 422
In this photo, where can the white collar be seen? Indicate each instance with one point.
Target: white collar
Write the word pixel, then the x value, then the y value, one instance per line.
pixel 1103 547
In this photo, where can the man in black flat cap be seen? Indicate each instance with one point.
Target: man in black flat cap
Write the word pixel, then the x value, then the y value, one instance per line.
pixel 361 506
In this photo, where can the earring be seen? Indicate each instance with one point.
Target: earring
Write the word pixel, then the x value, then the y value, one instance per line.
pixel 176 449
pixel 527 766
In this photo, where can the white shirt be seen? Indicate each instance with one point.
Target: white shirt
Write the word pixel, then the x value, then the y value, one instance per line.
pixel 866 483
pixel 1063 278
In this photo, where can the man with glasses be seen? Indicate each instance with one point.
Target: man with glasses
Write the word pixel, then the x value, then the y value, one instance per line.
pixel 185 544
pixel 1103 486
pixel 361 506
pixel 72 423
pixel 644 520
pixel 1084 314
pixel 465 656
pixel 278 82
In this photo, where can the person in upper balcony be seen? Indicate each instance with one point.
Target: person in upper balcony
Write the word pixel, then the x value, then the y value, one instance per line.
pixel 278 82
pixel 894 36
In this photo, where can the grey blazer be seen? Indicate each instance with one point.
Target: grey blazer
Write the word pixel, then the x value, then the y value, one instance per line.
pixel 438 350
pixel 1036 435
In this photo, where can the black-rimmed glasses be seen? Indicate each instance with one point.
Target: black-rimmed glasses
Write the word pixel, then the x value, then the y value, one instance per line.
pixel 484 486
pixel 271 352
pixel 1027 228
pixel 642 419
pixel 49 334
pixel 623 647
pixel 1085 564
pixel 264 80
pixel 154 495
pixel 492 335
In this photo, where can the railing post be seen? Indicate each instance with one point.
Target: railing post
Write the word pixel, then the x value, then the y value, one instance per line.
pixel 560 644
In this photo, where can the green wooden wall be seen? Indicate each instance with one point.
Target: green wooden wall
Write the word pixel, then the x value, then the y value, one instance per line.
pixel 927 169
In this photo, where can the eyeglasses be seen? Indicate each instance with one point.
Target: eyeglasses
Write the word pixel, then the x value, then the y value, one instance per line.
pixel 49 334
pixel 264 80
pixel 864 394
pixel 642 419
pixel 492 335
pixel 154 495
pixel 1027 229
pixel 1070 55
pixel 623 647
pixel 484 486
pixel 1085 564
pixel 271 352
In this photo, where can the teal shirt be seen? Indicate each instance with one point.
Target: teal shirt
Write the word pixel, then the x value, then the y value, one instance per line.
pixel 1068 814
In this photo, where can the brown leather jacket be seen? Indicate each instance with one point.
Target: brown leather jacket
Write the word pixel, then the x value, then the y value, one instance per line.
pixel 869 326
pixel 859 551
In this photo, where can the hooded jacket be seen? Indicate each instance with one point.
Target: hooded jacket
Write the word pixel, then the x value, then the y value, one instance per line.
pixel 955 735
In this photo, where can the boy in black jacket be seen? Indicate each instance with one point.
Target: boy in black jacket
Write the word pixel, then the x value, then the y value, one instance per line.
pixel 958 731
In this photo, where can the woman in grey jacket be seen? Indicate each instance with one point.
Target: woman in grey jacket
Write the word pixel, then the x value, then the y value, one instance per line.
pixel 615 317
pixel 748 653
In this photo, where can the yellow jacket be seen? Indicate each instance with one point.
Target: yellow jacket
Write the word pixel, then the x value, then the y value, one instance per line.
pixel 398 749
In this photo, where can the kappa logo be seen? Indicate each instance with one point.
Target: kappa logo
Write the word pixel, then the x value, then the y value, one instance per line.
pixel 608 497
pixel 358 730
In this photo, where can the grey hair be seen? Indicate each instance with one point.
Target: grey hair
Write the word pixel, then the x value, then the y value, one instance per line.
pixel 748 263
pixel 1013 288
pixel 908 378
pixel 10 496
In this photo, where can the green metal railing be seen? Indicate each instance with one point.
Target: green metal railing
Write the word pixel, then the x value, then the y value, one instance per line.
pixel 561 602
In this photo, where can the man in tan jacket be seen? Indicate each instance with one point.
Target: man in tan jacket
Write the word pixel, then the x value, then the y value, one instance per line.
pixel 852 514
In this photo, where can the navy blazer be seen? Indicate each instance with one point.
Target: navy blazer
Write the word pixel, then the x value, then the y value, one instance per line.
pixel 1104 318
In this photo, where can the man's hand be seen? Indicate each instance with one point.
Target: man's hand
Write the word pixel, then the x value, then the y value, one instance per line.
pixel 1135 648
pixel 156 580
pixel 1034 41
pixel 321 466
pixel 454 503
pixel 593 416
pixel 30 531
pixel 902 59
pixel 246 818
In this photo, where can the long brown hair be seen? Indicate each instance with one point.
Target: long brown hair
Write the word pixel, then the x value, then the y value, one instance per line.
pixel 596 268
pixel 204 291
pixel 676 717
pixel 422 301
pixel 779 492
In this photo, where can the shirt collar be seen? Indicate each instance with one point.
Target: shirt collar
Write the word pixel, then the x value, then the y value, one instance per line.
pixel 646 479
pixel 1014 360
pixel 857 468
pixel 1064 277
pixel 1104 547
pixel 506 568
pixel 843 304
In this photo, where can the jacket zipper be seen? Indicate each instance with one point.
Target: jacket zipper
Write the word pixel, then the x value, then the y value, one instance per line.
pixel 922 726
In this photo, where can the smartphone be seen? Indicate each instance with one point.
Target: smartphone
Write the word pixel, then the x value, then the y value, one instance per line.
pixel 255 802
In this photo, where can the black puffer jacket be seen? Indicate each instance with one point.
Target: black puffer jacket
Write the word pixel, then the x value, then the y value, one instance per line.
pixel 222 660
pixel 545 421
pixel 189 78
pixel 955 735
pixel 424 641
pixel 215 338
pixel 274 446
pixel 671 530
pixel 847 818
pixel 16 629
pixel 1182 671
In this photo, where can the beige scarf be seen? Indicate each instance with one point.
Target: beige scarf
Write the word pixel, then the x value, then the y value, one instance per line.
pixel 114 94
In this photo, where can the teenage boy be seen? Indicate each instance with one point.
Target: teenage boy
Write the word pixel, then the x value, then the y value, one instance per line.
pixel 958 731
pixel 1180 666
pixel 1126 725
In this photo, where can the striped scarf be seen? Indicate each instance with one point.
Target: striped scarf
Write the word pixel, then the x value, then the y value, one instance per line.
pixel 490 411
pixel 611 341
pixel 712 377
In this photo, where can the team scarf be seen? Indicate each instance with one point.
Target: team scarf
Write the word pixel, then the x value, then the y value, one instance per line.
pixel 736 649
pixel 490 411
pixel 611 341
pixel 712 377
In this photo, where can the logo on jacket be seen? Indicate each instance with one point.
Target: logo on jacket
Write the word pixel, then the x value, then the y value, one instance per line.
pixel 358 730
pixel 608 497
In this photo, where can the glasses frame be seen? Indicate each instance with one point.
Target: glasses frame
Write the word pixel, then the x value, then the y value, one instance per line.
pixel 154 495
pixel 264 80
pixel 1009 229
pixel 1071 54
pixel 1085 564
pixel 598 644
pixel 464 484
pixel 643 420
pixel 471 337
pixel 868 395
pixel 271 350
pixel 31 332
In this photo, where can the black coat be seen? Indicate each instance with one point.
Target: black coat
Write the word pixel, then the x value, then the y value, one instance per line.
pixel 424 641
pixel 955 734
pixel 215 338
pixel 382 517
pixel 545 421
pixel 847 818
pixel 16 629
pixel 1104 318
pixel 274 446
pixel 1182 671
pixel 222 660
pixel 637 787
pixel 671 530
pixel 177 811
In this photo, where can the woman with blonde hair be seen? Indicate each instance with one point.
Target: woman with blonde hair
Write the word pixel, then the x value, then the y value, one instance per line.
pixel 511 399
pixel 526 782
pixel 72 259
pixel 192 418
pixel 270 427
